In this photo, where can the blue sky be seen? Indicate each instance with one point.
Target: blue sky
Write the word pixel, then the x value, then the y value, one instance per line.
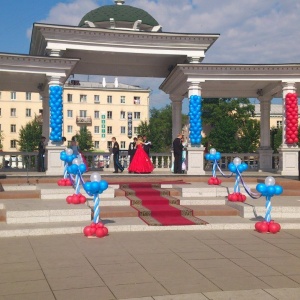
pixel 251 31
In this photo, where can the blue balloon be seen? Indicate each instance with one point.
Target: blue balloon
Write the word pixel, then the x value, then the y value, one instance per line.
pixel 87 186
pixel 232 167
pixel 207 156
pixel 95 187
pixel 82 168
pixel 278 189
pixel 218 155
pixel 103 185
pixel 244 166
pixel 270 190
pixel 261 187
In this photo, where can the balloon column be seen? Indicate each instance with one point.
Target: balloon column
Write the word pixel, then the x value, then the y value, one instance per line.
pixel 67 156
pixel 213 156
pixel 56 112
pixel 195 120
pixel 237 167
pixel 77 168
pixel 291 115
pixel 95 187
pixel 268 189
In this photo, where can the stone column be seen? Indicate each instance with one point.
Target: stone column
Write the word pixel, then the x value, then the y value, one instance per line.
pixel 265 151
pixel 288 154
pixel 55 166
pixel 176 115
pixel 195 155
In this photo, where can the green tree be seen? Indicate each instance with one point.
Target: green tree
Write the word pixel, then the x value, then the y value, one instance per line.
pixel 30 135
pixel 232 129
pixel 159 129
pixel 84 139
pixel 1 139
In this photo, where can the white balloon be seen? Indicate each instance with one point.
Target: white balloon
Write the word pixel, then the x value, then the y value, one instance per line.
pixel 237 161
pixel 95 177
pixel 212 151
pixel 269 181
pixel 76 161
pixel 69 151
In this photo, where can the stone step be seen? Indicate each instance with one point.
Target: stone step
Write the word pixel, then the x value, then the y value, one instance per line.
pixel 133 224
pixel 282 207
pixel 213 210
pixel 20 194
pixel 31 211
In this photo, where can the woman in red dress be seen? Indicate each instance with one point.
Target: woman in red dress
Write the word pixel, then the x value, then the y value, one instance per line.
pixel 141 162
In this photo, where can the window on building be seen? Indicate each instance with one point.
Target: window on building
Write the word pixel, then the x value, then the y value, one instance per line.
pixel 0 111
pixel 123 145
pixel 96 129
pixel 13 95
pixel 135 130
pixel 96 114
pixel 97 145
pixel 279 124
pixel 28 112
pixel 122 115
pixel 13 144
pixel 28 96
pixel 69 97
pixel 122 99
pixel 82 114
pixel 109 99
pixel 109 144
pixel 0 95
pixel 70 129
pixel 13 128
pixel 13 112
pixel 109 129
pixel 137 115
pixel 82 98
pixel 123 129
pixel 70 113
pixel 96 99
pixel 136 100
pixel 109 115
pixel 40 111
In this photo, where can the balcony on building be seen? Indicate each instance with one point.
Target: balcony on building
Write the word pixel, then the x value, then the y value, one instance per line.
pixel 84 120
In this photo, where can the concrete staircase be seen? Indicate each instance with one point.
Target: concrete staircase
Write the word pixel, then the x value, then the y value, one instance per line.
pixel 38 209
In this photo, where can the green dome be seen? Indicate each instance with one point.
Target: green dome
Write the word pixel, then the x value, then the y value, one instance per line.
pixel 122 14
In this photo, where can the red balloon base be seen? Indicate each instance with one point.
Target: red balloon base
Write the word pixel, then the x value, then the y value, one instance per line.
pixel 95 230
pixel 236 197
pixel 76 199
pixel 64 182
pixel 265 227
pixel 214 181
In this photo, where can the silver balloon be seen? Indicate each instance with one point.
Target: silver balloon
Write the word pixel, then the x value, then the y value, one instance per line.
pixel 237 161
pixel 76 161
pixel 95 177
pixel 69 151
pixel 269 181
pixel 212 151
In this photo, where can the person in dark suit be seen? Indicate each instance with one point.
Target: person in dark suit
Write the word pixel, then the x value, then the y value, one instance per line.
pixel 116 153
pixel 177 149
pixel 132 148
pixel 41 155
pixel 147 145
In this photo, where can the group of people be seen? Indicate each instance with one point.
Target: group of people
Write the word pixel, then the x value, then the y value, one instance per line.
pixel 139 152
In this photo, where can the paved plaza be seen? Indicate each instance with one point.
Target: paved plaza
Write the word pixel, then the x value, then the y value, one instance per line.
pixel 214 265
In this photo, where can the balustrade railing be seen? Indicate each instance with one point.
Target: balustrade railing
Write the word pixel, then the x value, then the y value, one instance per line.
pixel 28 161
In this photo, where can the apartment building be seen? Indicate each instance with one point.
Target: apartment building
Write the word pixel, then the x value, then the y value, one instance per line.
pixel 106 109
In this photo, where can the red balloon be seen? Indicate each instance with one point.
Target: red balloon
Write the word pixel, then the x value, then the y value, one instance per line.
pixel 75 199
pixel 87 231
pixel 100 232
pixel 272 227
pixel 105 231
pixel 210 181
pixel 234 197
pixel 264 227
pixel 69 199
pixel 100 225
pixel 82 199
pixel 93 230
pixel 278 226
pixel 257 226
pixel 93 224
pixel 216 181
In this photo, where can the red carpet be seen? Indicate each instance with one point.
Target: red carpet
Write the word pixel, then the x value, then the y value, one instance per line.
pixel 156 207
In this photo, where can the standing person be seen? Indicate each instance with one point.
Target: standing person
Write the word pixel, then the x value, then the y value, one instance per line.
pixel 132 148
pixel 141 162
pixel 178 148
pixel 74 146
pixel 147 145
pixel 41 155
pixel 115 151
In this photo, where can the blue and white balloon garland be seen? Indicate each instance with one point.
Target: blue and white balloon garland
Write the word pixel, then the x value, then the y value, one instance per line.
pixel 95 187
pixel 213 156
pixel 195 120
pixel 56 112
pixel 237 167
pixel 268 189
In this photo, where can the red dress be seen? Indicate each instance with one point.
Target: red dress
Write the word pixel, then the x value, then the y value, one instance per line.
pixel 141 162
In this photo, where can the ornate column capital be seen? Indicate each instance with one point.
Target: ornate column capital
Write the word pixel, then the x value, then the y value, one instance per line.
pixel 55 80
pixel 194 87
pixel 176 98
